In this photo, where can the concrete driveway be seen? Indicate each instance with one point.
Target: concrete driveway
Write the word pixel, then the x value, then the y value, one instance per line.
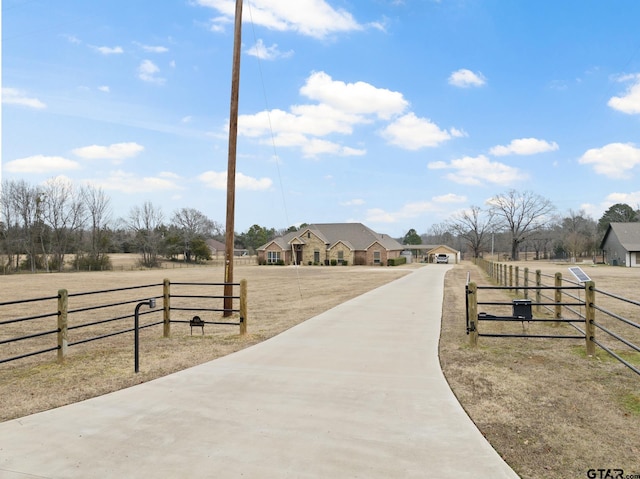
pixel 354 392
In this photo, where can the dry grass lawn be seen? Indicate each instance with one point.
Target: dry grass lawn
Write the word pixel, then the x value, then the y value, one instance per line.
pixel 548 410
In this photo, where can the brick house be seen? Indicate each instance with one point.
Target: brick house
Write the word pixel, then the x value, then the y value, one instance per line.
pixel 328 243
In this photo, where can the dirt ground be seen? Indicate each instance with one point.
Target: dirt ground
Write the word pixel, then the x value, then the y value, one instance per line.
pixel 546 408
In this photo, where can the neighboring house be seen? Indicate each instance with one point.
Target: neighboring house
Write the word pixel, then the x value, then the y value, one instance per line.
pixel 426 253
pixel 342 243
pixel 218 249
pixel 454 255
pixel 621 244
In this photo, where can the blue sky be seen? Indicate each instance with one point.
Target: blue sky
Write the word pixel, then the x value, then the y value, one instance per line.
pixel 394 113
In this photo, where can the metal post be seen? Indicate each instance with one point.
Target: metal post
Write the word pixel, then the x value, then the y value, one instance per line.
pixel 243 307
pixel 166 308
pixel 136 332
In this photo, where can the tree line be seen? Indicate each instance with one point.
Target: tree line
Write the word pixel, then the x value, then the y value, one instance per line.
pixel 523 221
pixel 57 225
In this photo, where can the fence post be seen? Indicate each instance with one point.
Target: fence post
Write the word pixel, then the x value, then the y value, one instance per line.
pixel 511 276
pixel 590 316
pixel 526 283
pixel 243 307
pixel 538 294
pixel 63 332
pixel 166 308
pixel 558 298
pixel 472 311
pixel 517 279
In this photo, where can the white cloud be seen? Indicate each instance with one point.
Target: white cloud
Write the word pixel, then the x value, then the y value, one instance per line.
pixel 263 52
pixel 109 50
pixel 630 101
pixel 480 171
pixel 116 152
pixel 614 160
pixel 464 78
pixel 359 98
pixel 147 71
pixel 314 18
pixel 40 164
pixel 104 88
pixel 153 48
pixel 413 133
pixel 408 210
pixel 13 96
pixel 218 181
pixel 524 146
pixel 130 183
pixel 450 198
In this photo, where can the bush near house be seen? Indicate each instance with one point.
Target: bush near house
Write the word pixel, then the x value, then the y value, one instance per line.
pixel 397 261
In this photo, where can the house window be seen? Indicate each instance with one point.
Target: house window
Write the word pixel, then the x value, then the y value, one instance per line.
pixel 308 235
pixel 376 257
pixel 340 257
pixel 273 256
pixel 316 256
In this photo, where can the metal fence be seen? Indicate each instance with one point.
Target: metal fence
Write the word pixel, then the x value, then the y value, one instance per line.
pixel 554 300
pixel 79 318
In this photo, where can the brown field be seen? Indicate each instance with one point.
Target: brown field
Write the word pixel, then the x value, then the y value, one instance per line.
pixel 546 408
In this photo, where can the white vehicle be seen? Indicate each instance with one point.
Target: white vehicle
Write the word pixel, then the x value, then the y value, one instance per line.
pixel 442 258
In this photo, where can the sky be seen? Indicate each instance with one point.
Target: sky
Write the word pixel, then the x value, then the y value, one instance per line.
pixel 394 113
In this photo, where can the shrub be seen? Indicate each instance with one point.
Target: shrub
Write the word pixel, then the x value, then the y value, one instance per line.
pixel 396 261
pixel 334 262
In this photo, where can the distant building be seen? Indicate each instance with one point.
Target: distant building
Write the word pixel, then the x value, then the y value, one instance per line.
pixel 331 243
pixel 621 244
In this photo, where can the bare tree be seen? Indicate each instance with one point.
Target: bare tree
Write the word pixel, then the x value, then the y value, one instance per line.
pixel 473 226
pixel 63 212
pixel 146 224
pixel 521 214
pixel 98 207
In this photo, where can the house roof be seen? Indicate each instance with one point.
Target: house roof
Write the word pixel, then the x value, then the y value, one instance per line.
pixel 628 235
pixel 355 235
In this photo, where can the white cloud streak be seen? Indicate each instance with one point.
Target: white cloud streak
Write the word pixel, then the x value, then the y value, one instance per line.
pixel 13 96
pixel 464 78
pixel 313 18
pixel 524 146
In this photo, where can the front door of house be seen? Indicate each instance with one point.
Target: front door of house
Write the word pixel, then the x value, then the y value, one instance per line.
pixel 298 254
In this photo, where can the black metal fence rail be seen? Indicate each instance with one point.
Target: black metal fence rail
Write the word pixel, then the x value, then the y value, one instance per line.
pixel 6 340
pixel 589 316
pixel 93 316
pixel 203 309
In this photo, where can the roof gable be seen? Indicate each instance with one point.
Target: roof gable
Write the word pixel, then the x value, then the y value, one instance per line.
pixel 628 235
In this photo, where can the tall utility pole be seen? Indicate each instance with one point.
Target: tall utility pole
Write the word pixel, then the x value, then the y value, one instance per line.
pixel 231 168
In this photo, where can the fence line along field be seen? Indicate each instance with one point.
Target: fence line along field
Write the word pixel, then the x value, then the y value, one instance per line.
pixel 278 298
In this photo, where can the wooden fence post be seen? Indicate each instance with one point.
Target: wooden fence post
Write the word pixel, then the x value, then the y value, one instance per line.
pixel 517 279
pixel 538 294
pixel 243 307
pixel 63 332
pixel 590 316
pixel 472 311
pixel 526 283
pixel 558 298
pixel 511 276
pixel 166 308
